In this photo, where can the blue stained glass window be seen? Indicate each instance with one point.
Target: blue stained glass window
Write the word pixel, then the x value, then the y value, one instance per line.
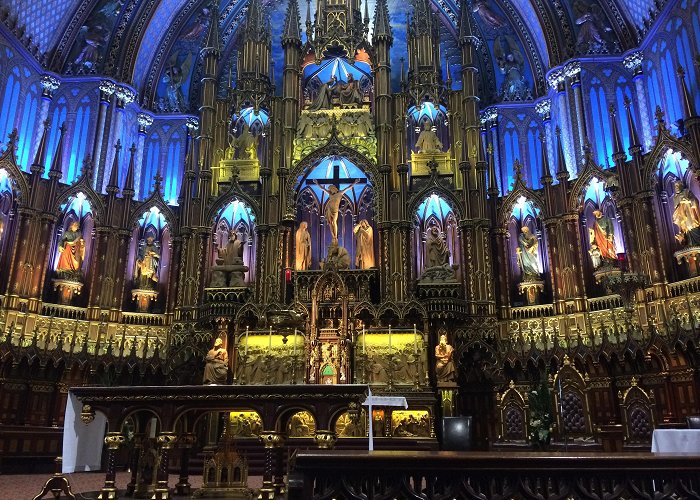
pixel 80 141
pixel 235 212
pixel 511 153
pixel 653 91
pixel 9 104
pixel 427 110
pixel 57 119
pixel 601 123
pixel 339 68
pixel 336 169
pixel 673 107
pixel 620 93
pixel 154 218
pixel 26 133
pixel 173 173
pixel 533 169
pixel 685 59
pixel 151 164
pixel 674 164
pixel 434 205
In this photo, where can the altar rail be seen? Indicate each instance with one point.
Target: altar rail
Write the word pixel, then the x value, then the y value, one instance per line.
pixel 447 475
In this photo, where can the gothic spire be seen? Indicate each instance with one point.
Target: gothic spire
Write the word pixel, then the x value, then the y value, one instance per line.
pixel 546 172
pixel 56 171
pixel 688 101
pixel 382 25
pixel 618 147
pixel 493 183
pixel 634 138
pixel 213 41
pixel 292 23
pixel 37 167
pixel 128 190
pixel 562 172
pixel 255 26
pixel 468 32
pixel 113 184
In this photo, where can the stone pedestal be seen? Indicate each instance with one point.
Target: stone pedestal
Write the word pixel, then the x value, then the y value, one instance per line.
pixel 691 256
pixel 448 393
pixel 143 298
pixel 605 272
pixel 224 276
pixel 439 274
pixel 67 289
pixel 531 290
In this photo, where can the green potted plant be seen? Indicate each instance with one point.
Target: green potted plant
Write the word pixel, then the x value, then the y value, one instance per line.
pixel 540 403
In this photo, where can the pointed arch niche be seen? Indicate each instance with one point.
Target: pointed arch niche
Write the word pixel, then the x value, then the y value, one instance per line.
pixel 434 116
pixel 148 266
pixel 678 192
pixel 435 211
pixel 356 204
pixel 8 208
pixel 70 257
pixel 529 265
pixel 595 197
pixel 236 216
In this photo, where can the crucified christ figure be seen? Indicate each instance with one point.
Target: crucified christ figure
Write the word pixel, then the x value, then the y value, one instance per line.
pixel 333 206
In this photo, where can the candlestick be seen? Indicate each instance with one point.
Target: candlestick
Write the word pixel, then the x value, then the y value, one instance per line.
pixel 294 348
pixel 246 341
pixel 269 340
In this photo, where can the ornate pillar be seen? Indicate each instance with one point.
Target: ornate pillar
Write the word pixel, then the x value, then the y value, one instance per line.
pixel 633 62
pixel 166 441
pixel 544 110
pixel 123 96
pixel 185 443
pixel 489 118
pixel 145 121
pixel 556 81
pixel 107 88
pixel 578 125
pixel 113 440
pixel 273 442
pixel 49 84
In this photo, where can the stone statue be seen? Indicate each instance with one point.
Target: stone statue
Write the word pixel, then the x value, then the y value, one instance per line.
pixel 364 250
pixel 173 78
pixel 686 215
pixel 233 253
pixel 216 368
pixel 71 253
pixel 602 235
pixel 350 94
pixel 333 206
pixel 512 64
pixel 486 13
pixel 247 144
pixel 444 366
pixel 592 27
pixel 337 258
pixel 365 126
pixel 428 141
pixel 303 248
pixel 146 269
pixel 324 97
pixel 229 269
pixel 436 251
pixel 528 258
pixel 305 127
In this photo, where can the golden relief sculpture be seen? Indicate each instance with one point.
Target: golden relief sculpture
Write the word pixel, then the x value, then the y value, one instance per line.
pixel 301 424
pixel 353 127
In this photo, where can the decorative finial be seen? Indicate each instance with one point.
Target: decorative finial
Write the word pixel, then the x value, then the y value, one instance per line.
pixel 157 181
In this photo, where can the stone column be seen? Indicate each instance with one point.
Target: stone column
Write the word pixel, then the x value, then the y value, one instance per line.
pixel 113 440
pixel 185 443
pixel 556 81
pixel 124 96
pixel 49 84
pixel 166 441
pixel 544 109
pixel 145 121
pixel 633 62
pixel 107 88
pixel 273 442
pixel 578 125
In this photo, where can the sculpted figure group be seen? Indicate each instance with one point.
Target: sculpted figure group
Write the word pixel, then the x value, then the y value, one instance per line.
pixel 348 93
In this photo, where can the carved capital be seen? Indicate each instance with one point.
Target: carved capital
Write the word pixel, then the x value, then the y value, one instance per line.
pixel 167 440
pixel 633 62
pixel 544 108
pixel 107 87
pixel 87 414
pixel 114 440
pixel 325 439
pixel 49 84
pixel 272 439
pixel 145 121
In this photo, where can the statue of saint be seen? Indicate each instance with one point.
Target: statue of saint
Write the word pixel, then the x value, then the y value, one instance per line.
pixel 303 248
pixel 333 206
pixel 436 251
pixel 602 235
pixel 146 272
pixel 247 144
pixel 528 260
pixel 444 366
pixel 428 141
pixel 350 94
pixel 71 252
pixel 364 250
pixel 216 368
pixel 337 258
pixel 686 215
pixel 233 253
pixel 324 96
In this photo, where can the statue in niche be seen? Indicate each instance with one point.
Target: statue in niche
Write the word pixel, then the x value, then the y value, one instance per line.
pixel 350 94
pixel 364 125
pixel 332 207
pixel 229 264
pixel 364 252
pixel 303 248
pixel 602 240
pixel 444 366
pixel 174 78
pixel 528 258
pixel 71 253
pixel 686 215
pixel 592 27
pixel 436 251
pixel 216 368
pixel 146 271
pixel 512 64
pixel 247 144
pixel 325 95
pixel 428 141
pixel 337 258
pixel 305 127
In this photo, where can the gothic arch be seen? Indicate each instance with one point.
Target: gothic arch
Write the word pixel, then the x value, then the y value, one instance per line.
pixel 520 189
pixel 435 187
pixel 8 161
pixel 233 193
pixel 590 171
pixel 83 186
pixel 154 200
pixel 664 142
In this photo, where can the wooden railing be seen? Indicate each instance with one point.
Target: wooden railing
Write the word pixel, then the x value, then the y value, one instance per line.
pixel 481 475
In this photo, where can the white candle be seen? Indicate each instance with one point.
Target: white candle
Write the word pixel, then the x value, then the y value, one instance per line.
pixel 246 340
pixel 294 348
pixel 415 338
pixel 364 340
pixel 269 340
pixel 389 339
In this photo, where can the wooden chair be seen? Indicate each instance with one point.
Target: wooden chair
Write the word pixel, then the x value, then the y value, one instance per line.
pixel 571 407
pixel 513 418
pixel 637 408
